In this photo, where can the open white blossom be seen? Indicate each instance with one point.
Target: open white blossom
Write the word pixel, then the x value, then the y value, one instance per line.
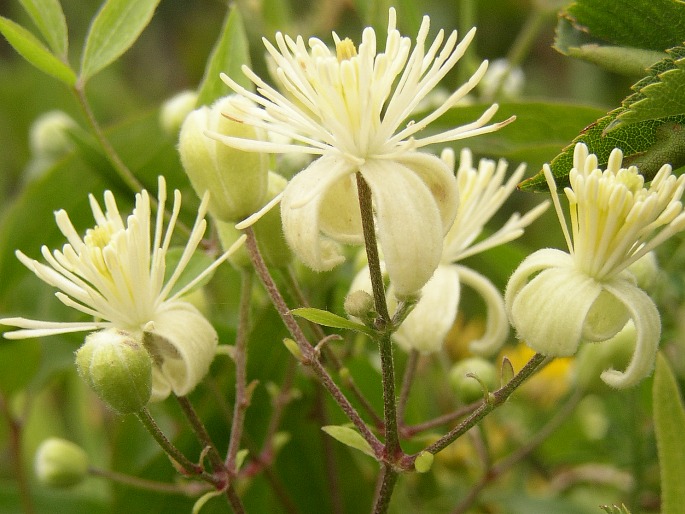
pixel 556 299
pixel 482 192
pixel 115 275
pixel 352 107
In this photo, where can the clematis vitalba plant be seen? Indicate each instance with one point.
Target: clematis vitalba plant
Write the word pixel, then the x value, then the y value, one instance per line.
pixel 558 299
pixel 348 107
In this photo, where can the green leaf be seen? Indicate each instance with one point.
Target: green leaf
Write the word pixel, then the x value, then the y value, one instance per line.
pixel 647 24
pixel 350 437
pixel 660 94
pixel 669 420
pixel 647 144
pixel 49 18
pixel 113 31
pixel 328 319
pixel 229 54
pixel 35 52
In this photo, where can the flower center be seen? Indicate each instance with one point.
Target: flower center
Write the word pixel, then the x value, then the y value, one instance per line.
pixel 96 239
pixel 345 50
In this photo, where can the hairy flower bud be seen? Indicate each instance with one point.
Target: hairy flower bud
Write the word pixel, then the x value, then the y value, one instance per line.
pixel 360 304
pixel 60 463
pixel 118 368
pixel 49 134
pixel 236 180
pixel 174 111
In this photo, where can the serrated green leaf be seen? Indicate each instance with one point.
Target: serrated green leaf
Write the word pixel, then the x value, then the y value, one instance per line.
pixel 328 319
pixel 669 420
pixel 349 437
pixel 647 24
pixel 114 29
pixel 30 48
pixel 648 145
pixel 229 54
pixel 49 18
pixel 660 94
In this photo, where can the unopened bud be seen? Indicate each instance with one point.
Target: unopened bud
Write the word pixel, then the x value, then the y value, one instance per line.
pixel 118 368
pixel 49 134
pixel 645 270
pixel 360 304
pixel 466 386
pixel 174 111
pixel 60 463
pixel 236 180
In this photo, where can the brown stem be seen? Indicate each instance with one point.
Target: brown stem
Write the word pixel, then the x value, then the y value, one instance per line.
pixel 384 489
pixel 309 357
pixel 407 380
pixel 202 434
pixel 190 489
pixel 15 429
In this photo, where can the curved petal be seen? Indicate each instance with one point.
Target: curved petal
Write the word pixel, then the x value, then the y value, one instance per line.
pixel 440 179
pixel 606 318
pixel 535 262
pixel 497 324
pixel 300 212
pixel 339 214
pixel 183 344
pixel 408 222
pixel 549 312
pixel 647 322
pixel 426 327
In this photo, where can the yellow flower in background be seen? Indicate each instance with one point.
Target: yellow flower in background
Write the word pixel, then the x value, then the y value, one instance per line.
pixel 115 275
pixel 353 108
pixel 556 299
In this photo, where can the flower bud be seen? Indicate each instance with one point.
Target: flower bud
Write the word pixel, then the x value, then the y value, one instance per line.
pixel 645 270
pixel 268 232
pixel 118 368
pixel 468 388
pixel 174 111
pixel 360 304
pixel 60 463
pixel 49 134
pixel 237 180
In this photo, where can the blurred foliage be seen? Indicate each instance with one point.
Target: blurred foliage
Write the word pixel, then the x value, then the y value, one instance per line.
pixel 604 453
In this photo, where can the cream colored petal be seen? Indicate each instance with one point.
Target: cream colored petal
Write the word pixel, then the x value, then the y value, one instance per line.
pixel 408 223
pixel 497 324
pixel 647 322
pixel 300 212
pixel 339 214
pixel 535 262
pixel 440 179
pixel 426 327
pixel 550 311
pixel 183 344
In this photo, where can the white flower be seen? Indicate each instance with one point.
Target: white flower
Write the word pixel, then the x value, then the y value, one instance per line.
pixel 115 274
pixel 482 192
pixel 352 108
pixel 557 299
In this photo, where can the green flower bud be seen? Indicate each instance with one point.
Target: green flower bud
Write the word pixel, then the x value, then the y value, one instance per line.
pixel 175 110
pixel 360 304
pixel 49 134
pixel 118 368
pixel 268 232
pixel 60 463
pixel 646 271
pixel 237 180
pixel 468 388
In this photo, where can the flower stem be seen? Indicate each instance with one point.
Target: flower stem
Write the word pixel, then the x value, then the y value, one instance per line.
pixel 201 434
pixel 309 357
pixel 386 484
pixel 240 358
pixel 15 447
pixel 494 400
pixel 147 485
pixel 407 380
pixel 191 468
pixel 383 325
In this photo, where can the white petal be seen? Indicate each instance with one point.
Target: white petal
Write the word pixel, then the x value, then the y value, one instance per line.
pixel 409 224
pixel 537 261
pixel 427 325
pixel 300 212
pixel 497 324
pixel 441 181
pixel 647 322
pixel 339 214
pixel 550 311
pixel 183 349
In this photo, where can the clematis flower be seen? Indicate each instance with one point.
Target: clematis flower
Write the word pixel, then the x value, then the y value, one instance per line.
pixel 556 299
pixel 353 107
pixel 115 274
pixel 482 192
